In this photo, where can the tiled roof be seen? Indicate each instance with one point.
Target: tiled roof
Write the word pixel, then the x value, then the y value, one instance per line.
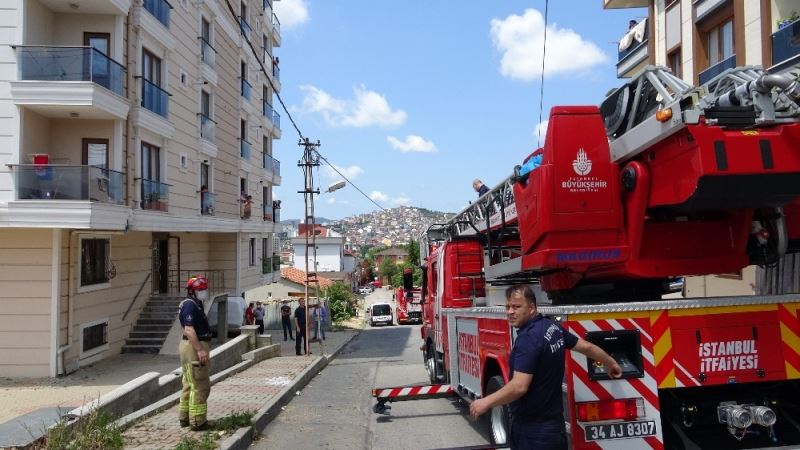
pixel 298 276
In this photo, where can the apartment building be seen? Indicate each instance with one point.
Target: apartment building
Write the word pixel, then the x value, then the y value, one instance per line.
pixel 700 39
pixel 135 149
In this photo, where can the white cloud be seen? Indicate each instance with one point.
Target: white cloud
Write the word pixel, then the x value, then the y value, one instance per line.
pixel 380 197
pixel 520 38
pixel 291 13
pixel 401 200
pixel 413 143
pixel 541 129
pixel 366 109
pixel 351 172
pixel 331 200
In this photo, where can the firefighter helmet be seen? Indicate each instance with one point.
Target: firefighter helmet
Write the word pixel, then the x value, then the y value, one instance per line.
pixel 196 283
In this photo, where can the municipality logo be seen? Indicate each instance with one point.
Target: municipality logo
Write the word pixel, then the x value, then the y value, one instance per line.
pixel 582 164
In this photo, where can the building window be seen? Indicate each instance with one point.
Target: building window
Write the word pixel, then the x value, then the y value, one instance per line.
pixel 674 63
pixel 720 42
pixel 94 336
pixel 94 261
pixel 252 253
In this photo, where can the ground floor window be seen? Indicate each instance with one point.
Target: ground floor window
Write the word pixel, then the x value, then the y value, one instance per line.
pixel 94 336
pixel 94 261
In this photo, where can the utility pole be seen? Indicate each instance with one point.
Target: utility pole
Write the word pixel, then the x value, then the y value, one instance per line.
pixel 309 162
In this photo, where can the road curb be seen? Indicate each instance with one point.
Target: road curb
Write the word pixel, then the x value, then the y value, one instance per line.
pixel 243 437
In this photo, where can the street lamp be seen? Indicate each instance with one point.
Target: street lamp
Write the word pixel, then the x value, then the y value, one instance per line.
pixel 336 186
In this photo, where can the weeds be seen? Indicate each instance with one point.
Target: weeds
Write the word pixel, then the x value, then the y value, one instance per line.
pixel 205 443
pixel 231 423
pixel 96 431
pixel 223 426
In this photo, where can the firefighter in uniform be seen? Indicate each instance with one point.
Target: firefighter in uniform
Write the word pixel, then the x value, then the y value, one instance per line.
pixel 194 351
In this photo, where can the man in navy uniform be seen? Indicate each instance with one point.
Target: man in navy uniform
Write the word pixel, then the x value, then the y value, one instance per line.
pixel 194 351
pixel 537 367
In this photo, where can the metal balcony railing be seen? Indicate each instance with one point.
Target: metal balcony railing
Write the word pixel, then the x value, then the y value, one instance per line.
pixel 276 23
pixel 65 182
pixel 786 43
pixel 207 127
pixel 709 74
pixel 244 149
pixel 207 53
pixel 206 203
pixel 160 9
pixel 276 119
pixel 246 89
pixel 49 63
pixel 155 195
pixel 154 98
pixel 177 280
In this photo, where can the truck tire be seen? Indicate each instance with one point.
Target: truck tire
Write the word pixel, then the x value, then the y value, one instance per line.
pixel 430 364
pixel 499 417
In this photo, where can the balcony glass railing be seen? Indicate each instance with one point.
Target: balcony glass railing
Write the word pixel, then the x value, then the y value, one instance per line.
pixel 207 127
pixel 246 89
pixel 206 203
pixel 57 182
pixel 267 110
pixel 709 74
pixel 272 164
pixel 786 42
pixel 246 29
pixel 276 167
pixel 244 149
pixel 271 264
pixel 155 195
pixel 630 41
pixel 70 64
pixel 276 23
pixel 276 72
pixel 159 9
pixel 267 209
pixel 207 53
pixel 276 120
pixel 267 5
pixel 154 98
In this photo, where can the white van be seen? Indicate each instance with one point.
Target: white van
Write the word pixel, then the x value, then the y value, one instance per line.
pixel 380 313
pixel 236 308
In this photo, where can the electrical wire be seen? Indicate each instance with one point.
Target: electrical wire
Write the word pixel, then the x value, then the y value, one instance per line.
pixel 541 84
pixel 237 19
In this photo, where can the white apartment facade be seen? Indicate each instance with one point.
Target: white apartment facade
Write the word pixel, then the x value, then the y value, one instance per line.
pixel 699 39
pixel 136 149
pixel 330 253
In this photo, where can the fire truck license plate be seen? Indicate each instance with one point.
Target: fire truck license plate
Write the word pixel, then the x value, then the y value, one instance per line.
pixel 619 430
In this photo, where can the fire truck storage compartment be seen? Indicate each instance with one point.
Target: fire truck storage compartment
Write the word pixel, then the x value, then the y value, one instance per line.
pixel 625 346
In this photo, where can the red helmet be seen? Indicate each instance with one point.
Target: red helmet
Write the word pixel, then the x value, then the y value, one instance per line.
pixel 196 283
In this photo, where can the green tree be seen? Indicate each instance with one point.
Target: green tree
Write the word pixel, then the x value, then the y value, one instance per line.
pixel 412 248
pixel 397 279
pixel 388 268
pixel 340 301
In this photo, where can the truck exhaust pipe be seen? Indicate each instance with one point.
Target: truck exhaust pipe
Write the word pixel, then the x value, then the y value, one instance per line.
pixel 762 415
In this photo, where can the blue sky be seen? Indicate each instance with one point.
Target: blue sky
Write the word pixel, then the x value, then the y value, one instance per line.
pixel 413 100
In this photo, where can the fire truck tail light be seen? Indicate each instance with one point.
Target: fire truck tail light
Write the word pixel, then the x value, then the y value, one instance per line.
pixel 622 409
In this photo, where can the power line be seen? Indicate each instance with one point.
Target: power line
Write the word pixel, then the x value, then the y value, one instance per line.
pixel 238 19
pixel 541 84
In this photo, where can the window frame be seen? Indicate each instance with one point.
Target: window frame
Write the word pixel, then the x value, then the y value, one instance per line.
pixel 101 284
pixel 100 348
pixel 251 256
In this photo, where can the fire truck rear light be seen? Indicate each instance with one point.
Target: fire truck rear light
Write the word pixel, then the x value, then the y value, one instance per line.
pixel 622 409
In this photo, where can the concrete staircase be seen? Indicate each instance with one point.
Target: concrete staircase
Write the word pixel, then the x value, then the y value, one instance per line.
pixel 153 325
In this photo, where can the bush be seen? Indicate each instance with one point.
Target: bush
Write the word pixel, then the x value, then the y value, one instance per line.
pixel 340 302
pixel 96 431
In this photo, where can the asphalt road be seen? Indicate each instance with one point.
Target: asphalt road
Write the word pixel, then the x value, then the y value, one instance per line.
pixel 335 410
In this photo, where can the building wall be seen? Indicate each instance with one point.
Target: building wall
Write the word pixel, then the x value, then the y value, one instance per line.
pixel 329 256
pixel 10 32
pixel 25 274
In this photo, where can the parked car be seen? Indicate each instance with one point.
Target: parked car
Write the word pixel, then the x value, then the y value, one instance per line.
pixel 236 308
pixel 365 290
pixel 381 313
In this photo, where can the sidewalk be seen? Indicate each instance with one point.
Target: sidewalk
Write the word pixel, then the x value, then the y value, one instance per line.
pixel 252 390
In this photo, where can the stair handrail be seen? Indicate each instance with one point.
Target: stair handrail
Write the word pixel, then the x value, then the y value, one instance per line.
pixel 136 296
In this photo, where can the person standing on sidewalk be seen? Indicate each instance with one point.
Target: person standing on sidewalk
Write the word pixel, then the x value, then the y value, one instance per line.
pixel 319 315
pixel 250 314
pixel 300 327
pixel 286 320
pixel 194 352
pixel 259 313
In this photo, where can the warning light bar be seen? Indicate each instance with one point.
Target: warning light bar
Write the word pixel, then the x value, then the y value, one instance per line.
pixel 621 409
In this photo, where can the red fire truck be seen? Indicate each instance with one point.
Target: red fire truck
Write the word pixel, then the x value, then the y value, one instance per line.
pixel 663 180
pixel 409 301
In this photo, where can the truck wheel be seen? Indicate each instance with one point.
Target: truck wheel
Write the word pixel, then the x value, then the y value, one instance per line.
pixel 499 416
pixel 430 364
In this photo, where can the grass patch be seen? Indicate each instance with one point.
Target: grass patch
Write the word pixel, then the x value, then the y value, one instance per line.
pixel 96 431
pixel 207 442
pixel 231 423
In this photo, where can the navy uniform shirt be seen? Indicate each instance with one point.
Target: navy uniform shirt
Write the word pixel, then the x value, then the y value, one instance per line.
pixel 540 350
pixel 300 315
pixel 192 314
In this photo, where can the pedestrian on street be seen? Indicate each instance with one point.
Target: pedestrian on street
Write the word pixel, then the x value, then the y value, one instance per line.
pixel 300 327
pixel 320 316
pixel 537 367
pixel 249 314
pixel 286 320
pixel 259 315
pixel 194 352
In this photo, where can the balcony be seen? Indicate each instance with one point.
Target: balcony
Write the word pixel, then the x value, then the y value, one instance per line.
pixel 267 5
pixel 155 195
pixel 154 98
pixel 207 127
pixel 618 4
pixel 271 264
pixel 633 51
pixel 712 72
pixel 266 110
pixel 276 122
pixel 246 89
pixel 244 149
pixel 160 9
pixel 276 30
pixel 207 53
pixel 246 209
pixel 81 79
pixel 206 203
pixel 247 31
pixel 276 72
pixel 63 182
pixel 786 46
